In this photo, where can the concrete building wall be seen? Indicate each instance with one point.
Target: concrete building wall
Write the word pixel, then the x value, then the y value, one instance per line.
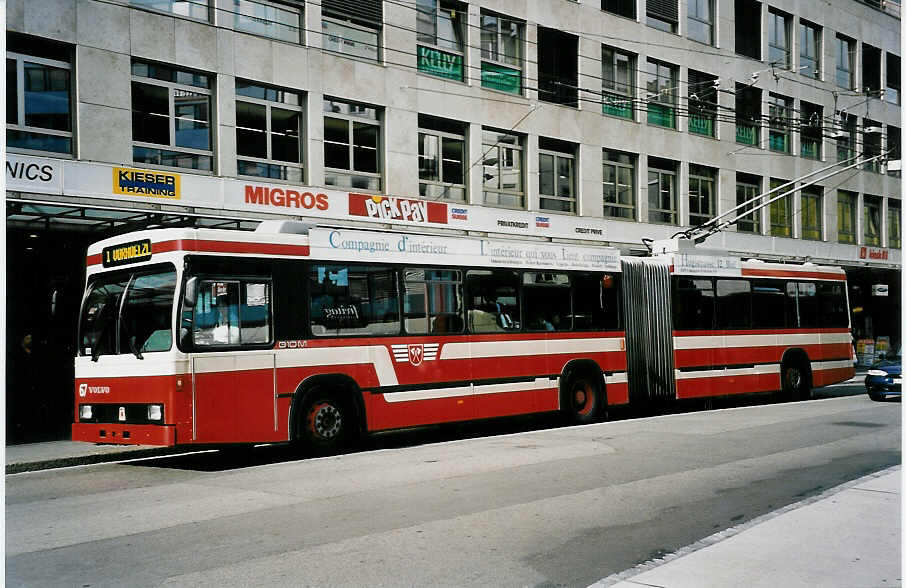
pixel 108 36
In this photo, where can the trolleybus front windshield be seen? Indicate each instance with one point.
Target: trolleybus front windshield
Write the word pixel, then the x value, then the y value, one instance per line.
pixel 128 312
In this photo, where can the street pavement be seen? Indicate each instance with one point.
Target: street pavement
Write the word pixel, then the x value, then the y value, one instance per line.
pixel 848 536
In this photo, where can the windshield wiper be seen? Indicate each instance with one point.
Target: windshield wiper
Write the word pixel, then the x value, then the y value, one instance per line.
pixel 135 349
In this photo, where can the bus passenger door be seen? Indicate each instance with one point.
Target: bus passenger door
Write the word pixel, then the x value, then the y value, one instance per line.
pixel 233 398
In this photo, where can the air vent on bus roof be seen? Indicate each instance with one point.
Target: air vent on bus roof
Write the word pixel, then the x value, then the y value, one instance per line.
pixel 284 226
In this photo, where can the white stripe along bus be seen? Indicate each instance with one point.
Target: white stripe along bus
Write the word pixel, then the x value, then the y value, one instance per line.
pixel 222 336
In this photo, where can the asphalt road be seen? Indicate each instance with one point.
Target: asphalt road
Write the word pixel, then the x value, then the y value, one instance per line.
pixel 565 506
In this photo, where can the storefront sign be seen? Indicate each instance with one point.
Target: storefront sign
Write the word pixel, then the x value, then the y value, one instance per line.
pixel 33 174
pixel 498 77
pixel 285 197
pixel 871 253
pixel 148 183
pixel 388 208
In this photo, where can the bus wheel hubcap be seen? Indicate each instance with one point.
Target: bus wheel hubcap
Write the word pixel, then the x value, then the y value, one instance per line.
pixel 325 420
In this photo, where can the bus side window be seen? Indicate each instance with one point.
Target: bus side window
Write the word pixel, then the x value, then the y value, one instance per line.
pixel 734 304
pixel 493 297
pixel 216 320
pixel 545 296
pixel 693 304
pixel 832 305
pixel 768 305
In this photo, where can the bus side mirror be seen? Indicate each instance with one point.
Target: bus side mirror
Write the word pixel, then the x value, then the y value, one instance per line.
pixel 191 293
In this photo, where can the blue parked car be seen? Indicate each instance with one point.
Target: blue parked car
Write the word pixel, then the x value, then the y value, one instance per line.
pixel 885 378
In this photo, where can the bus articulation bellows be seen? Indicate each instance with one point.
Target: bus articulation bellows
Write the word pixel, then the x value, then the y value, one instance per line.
pixel 199 336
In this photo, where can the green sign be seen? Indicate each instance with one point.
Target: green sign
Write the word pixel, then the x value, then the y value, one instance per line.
pixel 498 77
pixel 660 115
pixel 701 125
pixel 746 134
pixel 440 63
pixel 617 105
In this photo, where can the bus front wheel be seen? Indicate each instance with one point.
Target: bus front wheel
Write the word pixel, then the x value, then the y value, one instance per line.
pixel 325 422
pixel 795 382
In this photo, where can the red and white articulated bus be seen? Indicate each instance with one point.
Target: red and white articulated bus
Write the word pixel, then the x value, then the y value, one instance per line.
pixel 291 333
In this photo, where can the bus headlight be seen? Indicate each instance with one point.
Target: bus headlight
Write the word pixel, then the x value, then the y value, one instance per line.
pixel 84 412
pixel 155 412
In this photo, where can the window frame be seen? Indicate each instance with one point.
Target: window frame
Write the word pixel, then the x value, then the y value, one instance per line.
pixel 781 210
pixel 699 175
pixel 846 216
pixel 656 77
pixel 572 199
pixel 243 281
pixel 774 48
pixel 434 44
pixel 871 211
pixel 351 120
pixel 20 125
pixel 268 105
pixel 297 10
pixel 519 147
pixel 780 109
pixel 151 5
pixel 497 58
pixel 809 132
pixel 672 212
pixel 812 207
pixel 346 23
pixel 424 184
pixel 694 16
pixel 616 205
pixel 172 89
pixel 806 48
pixel 894 223
pixel 612 97
pixel 846 56
pixel 748 188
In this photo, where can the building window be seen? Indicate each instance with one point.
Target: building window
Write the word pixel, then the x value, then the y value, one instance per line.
pixel 894 226
pixel 352 28
pixel 810 133
pixel 702 194
pixel 846 216
pixel 748 115
pixel 268 19
pixel 268 131
pixel 781 210
pixel 748 28
pixel 871 145
pixel 38 95
pixel 661 98
pixel 501 53
pixel 620 7
pixel 441 159
pixel 502 169
pixel 846 51
pixel 557 175
pixel 700 21
pixel 809 49
pixel 352 145
pixel 619 184
pixel 618 82
pixel 661 191
pixel 846 137
pixel 779 39
pixel 812 213
pixel 871 70
pixel 702 103
pixel 779 108
pixel 871 220
pixel 662 14
pixel 893 149
pixel 747 189
pixel 439 25
pixel 171 117
pixel 199 9
pixel 558 67
pixel 892 87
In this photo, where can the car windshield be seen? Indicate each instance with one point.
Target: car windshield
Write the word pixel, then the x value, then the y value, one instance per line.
pixel 128 313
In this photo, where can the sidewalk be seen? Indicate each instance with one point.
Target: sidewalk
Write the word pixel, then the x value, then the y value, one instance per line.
pixel 847 537
pixel 28 457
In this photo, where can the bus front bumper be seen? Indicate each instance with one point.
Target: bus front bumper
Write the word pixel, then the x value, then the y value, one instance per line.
pixel 124 434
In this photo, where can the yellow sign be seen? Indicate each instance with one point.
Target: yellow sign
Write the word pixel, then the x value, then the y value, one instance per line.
pixel 142 182
pixel 126 253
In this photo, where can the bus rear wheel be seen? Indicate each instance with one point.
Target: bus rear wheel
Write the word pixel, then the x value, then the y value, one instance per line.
pixel 325 421
pixel 584 400
pixel 794 379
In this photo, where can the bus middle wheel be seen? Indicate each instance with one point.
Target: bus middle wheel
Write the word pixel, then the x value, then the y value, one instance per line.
pixel 584 397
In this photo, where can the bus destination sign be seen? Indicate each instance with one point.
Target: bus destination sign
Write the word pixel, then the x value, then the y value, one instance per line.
pixel 126 253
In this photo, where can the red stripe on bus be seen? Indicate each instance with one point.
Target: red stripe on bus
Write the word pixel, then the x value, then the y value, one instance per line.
pixel 203 246
pixel 773 273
